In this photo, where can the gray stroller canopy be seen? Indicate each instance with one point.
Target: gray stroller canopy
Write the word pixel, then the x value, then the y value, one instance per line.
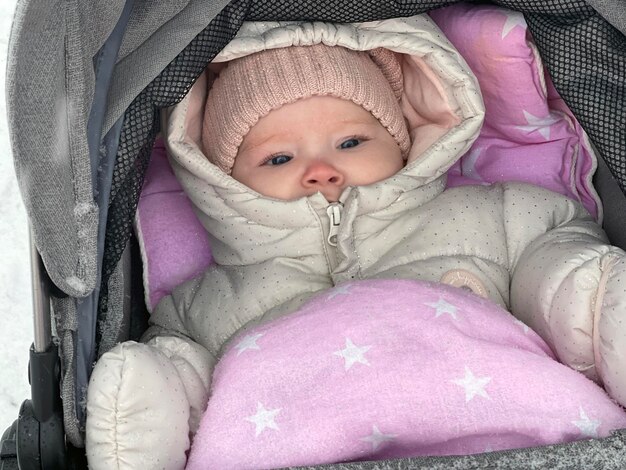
pixel 86 81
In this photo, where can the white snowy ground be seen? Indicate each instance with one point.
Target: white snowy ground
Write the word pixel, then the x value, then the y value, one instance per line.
pixel 16 324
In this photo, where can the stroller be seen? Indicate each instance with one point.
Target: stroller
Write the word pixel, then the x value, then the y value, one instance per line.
pixel 108 70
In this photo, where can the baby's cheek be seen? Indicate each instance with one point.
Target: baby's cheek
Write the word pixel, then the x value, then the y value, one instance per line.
pixel 380 168
pixel 284 187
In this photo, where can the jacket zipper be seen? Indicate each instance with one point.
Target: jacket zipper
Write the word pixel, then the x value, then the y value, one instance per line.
pixel 334 215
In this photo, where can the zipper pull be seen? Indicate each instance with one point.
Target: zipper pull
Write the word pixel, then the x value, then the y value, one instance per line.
pixel 334 214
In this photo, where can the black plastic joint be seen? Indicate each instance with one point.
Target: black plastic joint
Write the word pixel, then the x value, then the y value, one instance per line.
pixel 44 375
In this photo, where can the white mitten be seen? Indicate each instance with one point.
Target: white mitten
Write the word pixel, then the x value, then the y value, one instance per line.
pixel 139 403
pixel 569 285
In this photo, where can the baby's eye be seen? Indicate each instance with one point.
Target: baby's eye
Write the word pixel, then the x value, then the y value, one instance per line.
pixel 347 144
pixel 278 160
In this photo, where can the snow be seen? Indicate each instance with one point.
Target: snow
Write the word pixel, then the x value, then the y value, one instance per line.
pixel 16 324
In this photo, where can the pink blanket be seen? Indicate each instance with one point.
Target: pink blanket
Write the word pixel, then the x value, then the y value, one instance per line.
pixel 392 368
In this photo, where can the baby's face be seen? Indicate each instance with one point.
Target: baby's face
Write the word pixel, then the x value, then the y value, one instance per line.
pixel 316 144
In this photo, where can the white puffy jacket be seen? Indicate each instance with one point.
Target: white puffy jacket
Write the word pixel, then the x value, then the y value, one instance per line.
pixel 528 249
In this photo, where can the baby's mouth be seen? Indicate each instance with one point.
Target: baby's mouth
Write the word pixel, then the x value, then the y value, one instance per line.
pixel 332 194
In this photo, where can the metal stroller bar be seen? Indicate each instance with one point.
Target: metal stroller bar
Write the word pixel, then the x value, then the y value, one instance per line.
pixel 41 301
pixel 36 440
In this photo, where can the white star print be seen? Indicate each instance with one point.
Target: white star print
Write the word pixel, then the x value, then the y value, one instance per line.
pixel 339 290
pixel 513 20
pixel 468 164
pixel 542 125
pixel 473 385
pixel 377 438
pixel 264 419
pixel 522 324
pixel 353 354
pixel 441 307
pixel 588 427
pixel 248 342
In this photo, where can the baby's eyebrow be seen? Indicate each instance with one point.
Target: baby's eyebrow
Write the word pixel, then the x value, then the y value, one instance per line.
pixel 360 122
pixel 246 145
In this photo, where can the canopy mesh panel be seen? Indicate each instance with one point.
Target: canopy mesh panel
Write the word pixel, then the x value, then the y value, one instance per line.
pixel 141 124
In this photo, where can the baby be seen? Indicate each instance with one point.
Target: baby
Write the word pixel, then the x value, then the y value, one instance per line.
pixel 298 123
pixel 324 126
pixel 329 173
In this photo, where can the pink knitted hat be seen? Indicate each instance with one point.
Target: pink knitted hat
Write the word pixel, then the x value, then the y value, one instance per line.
pixel 252 86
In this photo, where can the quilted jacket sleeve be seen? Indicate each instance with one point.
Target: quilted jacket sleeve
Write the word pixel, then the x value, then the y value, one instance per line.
pixel 146 399
pixel 157 390
pixel 568 283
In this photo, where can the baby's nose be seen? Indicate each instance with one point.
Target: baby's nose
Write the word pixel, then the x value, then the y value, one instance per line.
pixel 321 174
